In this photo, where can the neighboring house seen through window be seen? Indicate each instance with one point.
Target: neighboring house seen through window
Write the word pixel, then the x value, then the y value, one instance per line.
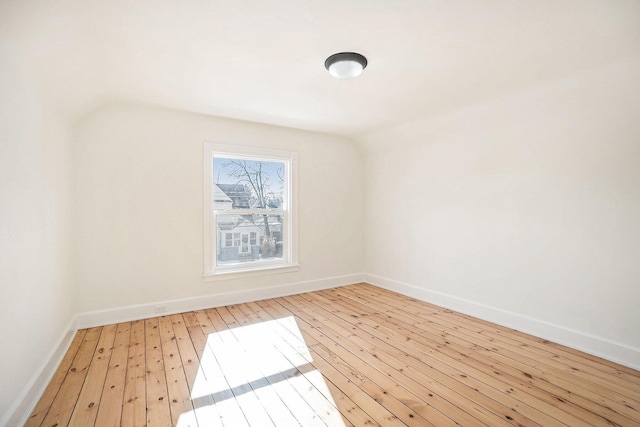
pixel 249 220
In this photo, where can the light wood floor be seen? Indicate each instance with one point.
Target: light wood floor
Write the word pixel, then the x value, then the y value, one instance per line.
pixel 356 355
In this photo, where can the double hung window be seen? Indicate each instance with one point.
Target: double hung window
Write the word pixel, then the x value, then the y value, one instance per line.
pixel 249 216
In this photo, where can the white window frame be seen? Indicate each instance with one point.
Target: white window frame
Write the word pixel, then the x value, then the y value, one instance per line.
pixel 289 261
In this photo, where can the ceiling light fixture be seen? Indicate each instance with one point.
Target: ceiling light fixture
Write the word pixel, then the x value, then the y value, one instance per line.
pixel 345 65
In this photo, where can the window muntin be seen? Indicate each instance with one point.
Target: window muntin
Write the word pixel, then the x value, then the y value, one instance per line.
pixel 248 219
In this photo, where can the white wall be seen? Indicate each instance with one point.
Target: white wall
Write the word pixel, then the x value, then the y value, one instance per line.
pixel 36 300
pixel 138 205
pixel 526 207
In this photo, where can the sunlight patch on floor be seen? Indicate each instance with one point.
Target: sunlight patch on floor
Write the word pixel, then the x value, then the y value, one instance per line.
pixel 260 374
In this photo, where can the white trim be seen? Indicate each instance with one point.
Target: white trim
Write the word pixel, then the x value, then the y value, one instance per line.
pixel 259 270
pixel 598 346
pixel 162 308
pixel 290 209
pixel 20 410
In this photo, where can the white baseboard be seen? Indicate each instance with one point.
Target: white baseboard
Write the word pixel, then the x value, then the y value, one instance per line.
pixel 597 346
pixel 144 311
pixel 21 409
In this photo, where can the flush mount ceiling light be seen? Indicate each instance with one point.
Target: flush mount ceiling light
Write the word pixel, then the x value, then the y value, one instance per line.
pixel 345 65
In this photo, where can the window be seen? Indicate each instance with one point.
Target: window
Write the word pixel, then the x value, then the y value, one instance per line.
pixel 250 223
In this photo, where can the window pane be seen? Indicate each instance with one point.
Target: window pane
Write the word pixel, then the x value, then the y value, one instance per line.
pixel 247 231
pixel 247 184
pixel 248 220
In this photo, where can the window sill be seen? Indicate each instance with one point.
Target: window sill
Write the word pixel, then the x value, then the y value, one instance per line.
pixel 240 274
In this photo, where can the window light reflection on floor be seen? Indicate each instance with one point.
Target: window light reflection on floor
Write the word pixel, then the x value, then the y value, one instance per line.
pixel 260 374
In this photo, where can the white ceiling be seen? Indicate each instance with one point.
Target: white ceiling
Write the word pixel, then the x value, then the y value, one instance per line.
pixel 263 60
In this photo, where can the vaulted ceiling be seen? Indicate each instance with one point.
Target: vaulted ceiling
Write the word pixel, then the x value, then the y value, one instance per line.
pixel 263 61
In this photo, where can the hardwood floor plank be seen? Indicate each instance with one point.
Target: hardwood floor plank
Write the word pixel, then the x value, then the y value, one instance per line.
pixel 65 401
pixel 554 350
pixel 468 390
pixel 134 406
pixel 550 392
pixel 281 369
pixel 233 362
pixel 110 409
pixel 407 407
pixel 448 348
pixel 351 374
pixel 180 403
pixel 438 402
pixel 366 404
pixel 581 393
pixel 351 413
pixel 46 400
pixel 526 346
pixel 279 372
pixel 350 356
pixel 356 394
pixel 204 406
pixel 216 383
pixel 285 336
pixel 157 396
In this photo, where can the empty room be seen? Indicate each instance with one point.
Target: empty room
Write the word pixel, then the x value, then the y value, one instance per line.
pixel 320 213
